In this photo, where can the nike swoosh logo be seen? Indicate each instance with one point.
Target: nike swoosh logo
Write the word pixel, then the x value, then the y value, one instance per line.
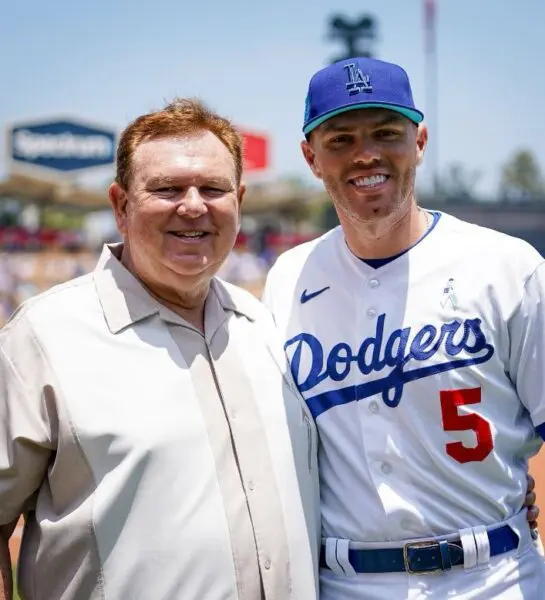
pixel 305 296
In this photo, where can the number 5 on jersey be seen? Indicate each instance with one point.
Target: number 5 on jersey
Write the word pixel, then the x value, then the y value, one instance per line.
pixel 453 421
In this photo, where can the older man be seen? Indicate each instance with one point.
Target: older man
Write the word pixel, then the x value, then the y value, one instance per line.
pixel 149 429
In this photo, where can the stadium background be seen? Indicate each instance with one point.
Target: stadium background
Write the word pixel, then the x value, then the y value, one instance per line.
pixel 276 217
pixel 53 225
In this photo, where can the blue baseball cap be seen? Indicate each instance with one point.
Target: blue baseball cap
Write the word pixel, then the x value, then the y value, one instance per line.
pixel 356 83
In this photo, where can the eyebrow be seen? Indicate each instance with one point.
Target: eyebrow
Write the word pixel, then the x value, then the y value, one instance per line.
pixel 392 119
pixel 167 180
pixel 160 180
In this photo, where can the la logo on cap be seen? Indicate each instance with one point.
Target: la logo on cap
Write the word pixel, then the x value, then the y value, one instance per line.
pixel 357 81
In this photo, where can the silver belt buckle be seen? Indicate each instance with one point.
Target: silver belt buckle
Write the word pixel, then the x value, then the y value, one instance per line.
pixel 415 545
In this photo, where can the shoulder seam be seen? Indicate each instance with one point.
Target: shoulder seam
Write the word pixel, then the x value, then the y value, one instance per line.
pixel 525 285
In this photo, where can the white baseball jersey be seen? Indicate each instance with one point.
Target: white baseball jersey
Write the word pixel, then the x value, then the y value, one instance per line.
pixel 426 377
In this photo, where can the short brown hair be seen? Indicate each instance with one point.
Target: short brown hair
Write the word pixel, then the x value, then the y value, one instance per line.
pixel 180 118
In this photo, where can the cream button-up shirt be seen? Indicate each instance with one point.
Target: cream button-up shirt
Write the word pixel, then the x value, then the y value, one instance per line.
pixel 156 463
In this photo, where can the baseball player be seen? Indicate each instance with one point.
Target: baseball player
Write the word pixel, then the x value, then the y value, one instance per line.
pixel 418 342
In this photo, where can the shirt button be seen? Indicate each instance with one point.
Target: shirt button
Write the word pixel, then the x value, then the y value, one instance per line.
pixel 373 407
pixel 251 485
pixel 372 312
pixel 374 283
pixel 386 468
pixel 267 564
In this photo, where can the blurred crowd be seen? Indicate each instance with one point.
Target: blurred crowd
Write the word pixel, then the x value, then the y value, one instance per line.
pixel 25 274
pixel 32 263
pixel 22 239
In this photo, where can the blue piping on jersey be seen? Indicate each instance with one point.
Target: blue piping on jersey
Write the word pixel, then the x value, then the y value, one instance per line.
pixel 393 381
pixel 376 263
pixel 541 430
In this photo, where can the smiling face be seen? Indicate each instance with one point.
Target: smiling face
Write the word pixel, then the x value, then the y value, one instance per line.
pixel 180 215
pixel 367 160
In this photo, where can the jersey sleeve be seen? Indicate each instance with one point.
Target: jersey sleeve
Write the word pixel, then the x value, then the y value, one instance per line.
pixel 527 348
pixel 25 423
pixel 269 290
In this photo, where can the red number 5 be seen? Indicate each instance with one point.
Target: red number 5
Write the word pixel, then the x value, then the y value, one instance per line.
pixel 452 421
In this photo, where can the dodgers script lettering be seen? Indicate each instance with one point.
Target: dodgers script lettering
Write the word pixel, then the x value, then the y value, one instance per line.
pixel 400 350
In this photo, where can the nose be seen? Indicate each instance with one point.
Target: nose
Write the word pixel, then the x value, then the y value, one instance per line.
pixel 367 153
pixel 191 205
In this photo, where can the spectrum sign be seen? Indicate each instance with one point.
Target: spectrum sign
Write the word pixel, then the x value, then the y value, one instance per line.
pixel 62 145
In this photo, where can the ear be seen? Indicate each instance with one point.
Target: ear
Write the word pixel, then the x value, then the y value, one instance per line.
pixel 310 157
pixel 119 201
pixel 421 142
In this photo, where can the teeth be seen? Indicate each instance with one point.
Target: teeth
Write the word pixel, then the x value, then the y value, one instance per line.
pixel 190 234
pixel 369 181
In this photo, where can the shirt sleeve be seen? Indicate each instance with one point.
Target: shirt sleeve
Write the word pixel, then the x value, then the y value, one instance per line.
pixel 527 348
pixel 266 296
pixel 269 290
pixel 26 409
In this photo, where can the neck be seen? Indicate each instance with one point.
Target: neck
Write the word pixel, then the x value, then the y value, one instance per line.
pixel 187 304
pixel 386 237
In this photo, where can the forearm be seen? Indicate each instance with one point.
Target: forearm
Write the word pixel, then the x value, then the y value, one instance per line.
pixel 6 579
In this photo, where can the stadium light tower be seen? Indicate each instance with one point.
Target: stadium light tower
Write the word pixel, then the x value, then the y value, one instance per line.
pixel 358 36
pixel 432 111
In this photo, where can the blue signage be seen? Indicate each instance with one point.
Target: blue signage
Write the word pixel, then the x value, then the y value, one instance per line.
pixel 62 145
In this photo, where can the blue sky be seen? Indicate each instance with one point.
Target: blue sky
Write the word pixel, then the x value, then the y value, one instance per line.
pixel 112 60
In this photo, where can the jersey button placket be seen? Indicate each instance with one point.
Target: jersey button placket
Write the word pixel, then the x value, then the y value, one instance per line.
pixel 374 421
pixel 374 427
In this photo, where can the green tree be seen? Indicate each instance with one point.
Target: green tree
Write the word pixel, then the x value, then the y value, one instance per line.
pixel 521 177
pixel 457 183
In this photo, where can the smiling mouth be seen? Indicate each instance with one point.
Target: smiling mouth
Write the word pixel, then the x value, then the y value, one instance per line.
pixel 368 183
pixel 189 235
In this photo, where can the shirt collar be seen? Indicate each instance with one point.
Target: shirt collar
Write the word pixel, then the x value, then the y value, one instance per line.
pixel 125 301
